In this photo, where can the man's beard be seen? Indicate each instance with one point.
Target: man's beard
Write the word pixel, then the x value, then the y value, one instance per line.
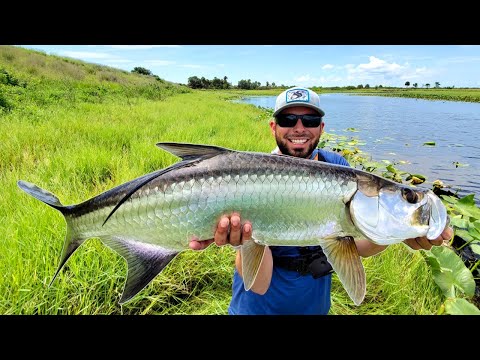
pixel 282 146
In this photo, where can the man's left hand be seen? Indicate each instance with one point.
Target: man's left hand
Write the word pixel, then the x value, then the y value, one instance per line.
pixel 426 244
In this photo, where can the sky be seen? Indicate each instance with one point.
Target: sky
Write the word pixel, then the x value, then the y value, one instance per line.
pixel 292 65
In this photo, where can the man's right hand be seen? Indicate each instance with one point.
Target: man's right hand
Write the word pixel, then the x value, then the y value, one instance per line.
pixel 229 231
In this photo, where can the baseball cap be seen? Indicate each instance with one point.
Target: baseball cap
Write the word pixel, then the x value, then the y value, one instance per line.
pixel 298 96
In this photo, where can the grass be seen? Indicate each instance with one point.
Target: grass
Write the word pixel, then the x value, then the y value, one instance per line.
pixel 460 94
pixel 78 153
pixel 78 149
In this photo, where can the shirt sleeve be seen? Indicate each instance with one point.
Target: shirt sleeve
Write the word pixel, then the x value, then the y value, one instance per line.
pixel 334 158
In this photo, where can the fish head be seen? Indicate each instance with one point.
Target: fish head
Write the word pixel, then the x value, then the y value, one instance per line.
pixel 398 212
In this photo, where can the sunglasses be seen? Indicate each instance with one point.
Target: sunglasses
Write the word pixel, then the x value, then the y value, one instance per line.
pixel 290 120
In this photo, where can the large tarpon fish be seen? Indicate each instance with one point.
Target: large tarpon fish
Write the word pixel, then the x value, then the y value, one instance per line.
pixel 290 201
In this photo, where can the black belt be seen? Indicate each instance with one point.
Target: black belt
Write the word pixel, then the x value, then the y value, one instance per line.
pixel 310 262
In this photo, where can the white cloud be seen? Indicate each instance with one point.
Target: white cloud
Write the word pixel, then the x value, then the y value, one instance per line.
pixel 303 78
pixel 327 67
pixel 378 71
pixel 377 66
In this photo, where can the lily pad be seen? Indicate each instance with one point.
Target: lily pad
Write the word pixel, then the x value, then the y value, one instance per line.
pixel 449 272
pixel 458 164
pixel 459 306
pixel 466 206
pixel 475 246
pixel 418 176
pixel 459 222
pixel 415 180
pixel 429 143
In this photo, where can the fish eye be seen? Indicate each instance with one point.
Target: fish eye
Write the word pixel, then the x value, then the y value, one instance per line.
pixel 410 195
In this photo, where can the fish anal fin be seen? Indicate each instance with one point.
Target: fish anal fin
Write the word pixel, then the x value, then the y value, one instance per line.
pixel 144 261
pixel 342 254
pixel 252 256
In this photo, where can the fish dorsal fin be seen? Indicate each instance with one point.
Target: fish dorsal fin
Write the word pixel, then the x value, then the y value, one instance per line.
pixel 192 151
pixel 343 255
pixel 144 261
pixel 252 255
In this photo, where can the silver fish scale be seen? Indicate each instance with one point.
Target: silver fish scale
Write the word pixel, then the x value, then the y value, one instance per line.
pixel 289 202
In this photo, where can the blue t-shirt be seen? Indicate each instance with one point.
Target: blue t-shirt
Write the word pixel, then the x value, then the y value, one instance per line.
pixel 290 293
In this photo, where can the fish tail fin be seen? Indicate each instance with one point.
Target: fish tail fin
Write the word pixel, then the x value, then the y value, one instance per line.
pixel 72 242
pixel 72 239
pixel 144 262
pixel 342 254
pixel 44 196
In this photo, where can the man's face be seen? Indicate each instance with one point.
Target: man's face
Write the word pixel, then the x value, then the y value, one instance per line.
pixel 298 140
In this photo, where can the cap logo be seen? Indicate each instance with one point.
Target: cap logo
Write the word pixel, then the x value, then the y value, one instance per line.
pixel 297 95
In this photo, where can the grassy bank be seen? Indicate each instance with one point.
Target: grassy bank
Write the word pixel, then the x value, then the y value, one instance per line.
pixel 78 148
pixel 78 153
pixel 466 95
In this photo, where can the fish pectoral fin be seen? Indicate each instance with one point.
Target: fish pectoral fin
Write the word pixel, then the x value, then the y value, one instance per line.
pixel 252 256
pixel 342 254
pixel 144 261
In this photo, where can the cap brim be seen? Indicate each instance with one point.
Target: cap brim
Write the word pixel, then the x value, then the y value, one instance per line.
pixel 293 104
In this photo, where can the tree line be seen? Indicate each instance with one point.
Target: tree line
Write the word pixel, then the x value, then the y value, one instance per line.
pixel 195 82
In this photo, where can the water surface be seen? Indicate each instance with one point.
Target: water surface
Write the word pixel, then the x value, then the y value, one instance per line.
pixel 397 128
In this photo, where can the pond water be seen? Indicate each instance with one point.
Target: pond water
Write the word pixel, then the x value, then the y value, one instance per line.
pixel 396 129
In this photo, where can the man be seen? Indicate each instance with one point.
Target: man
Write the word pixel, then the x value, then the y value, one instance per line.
pixel 292 280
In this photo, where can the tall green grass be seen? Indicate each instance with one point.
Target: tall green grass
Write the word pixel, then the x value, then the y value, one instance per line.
pixel 79 152
pixel 81 148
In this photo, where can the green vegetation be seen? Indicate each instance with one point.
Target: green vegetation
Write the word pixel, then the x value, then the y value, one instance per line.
pixel 31 79
pixel 460 94
pixel 78 129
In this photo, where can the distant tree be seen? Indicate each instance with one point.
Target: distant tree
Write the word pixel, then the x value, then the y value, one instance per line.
pixel 244 84
pixel 427 85
pixel 367 86
pixel 194 82
pixel 407 84
pixel 437 84
pixel 248 84
pixel 360 86
pixel 217 83
pixel 415 85
pixel 226 84
pixel 273 84
pixel 141 70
